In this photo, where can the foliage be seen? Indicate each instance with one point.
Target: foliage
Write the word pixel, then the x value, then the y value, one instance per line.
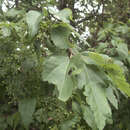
pixel 52 77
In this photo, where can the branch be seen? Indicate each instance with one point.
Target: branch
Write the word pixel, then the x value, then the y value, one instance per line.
pixel 62 4
pixel 16 3
pixel 92 16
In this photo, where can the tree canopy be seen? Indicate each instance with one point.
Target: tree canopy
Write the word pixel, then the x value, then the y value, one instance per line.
pixel 64 64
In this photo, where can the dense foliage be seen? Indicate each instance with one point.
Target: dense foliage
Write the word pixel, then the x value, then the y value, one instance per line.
pixel 64 64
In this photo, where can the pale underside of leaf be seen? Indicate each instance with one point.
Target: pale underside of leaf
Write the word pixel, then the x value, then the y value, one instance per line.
pixel 55 71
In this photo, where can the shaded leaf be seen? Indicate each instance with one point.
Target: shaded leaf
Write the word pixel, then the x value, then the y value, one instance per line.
pixel 60 35
pixel 111 97
pixel 33 19
pixel 67 125
pixel 76 107
pixel 26 109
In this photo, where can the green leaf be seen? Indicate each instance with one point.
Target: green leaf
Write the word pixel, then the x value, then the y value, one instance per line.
pixel 33 19
pixel 14 120
pixel 101 35
pixel 55 70
pixel 111 97
pixel 116 73
pixel 28 64
pixel 76 107
pixel 6 32
pixel 78 65
pixel 95 97
pixel 122 29
pixel 89 117
pixel 26 109
pixel 65 15
pixel 96 58
pixel 13 12
pixel 67 125
pixel 81 80
pixel 122 50
pixel 60 35
pixel 1 2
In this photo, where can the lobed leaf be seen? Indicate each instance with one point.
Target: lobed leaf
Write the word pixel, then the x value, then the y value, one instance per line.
pixel 96 98
pixel 55 70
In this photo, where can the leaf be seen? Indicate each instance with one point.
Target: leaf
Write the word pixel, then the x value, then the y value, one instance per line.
pixel 28 64
pixel 122 50
pixel 1 2
pixel 13 12
pixel 100 59
pixel 65 15
pixel 95 97
pixel 60 35
pixel 89 117
pixel 14 120
pixel 26 109
pixel 120 82
pixel 67 125
pixel 115 72
pixel 96 58
pixel 101 35
pixel 78 64
pixel 122 29
pixel 76 107
pixel 81 80
pixel 6 32
pixel 111 97
pixel 55 70
pixel 33 19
